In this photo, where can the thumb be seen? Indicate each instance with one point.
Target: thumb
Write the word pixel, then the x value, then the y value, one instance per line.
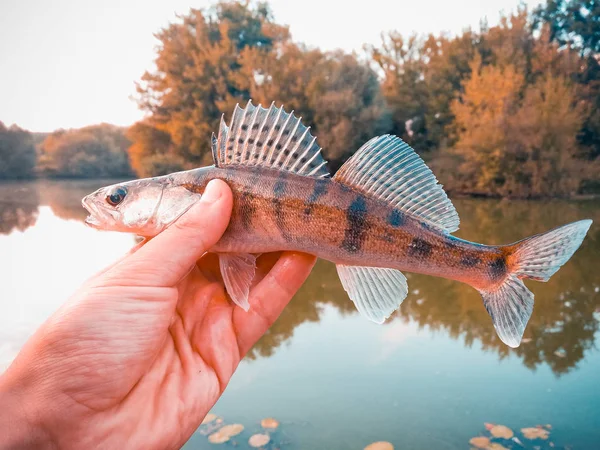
pixel 168 257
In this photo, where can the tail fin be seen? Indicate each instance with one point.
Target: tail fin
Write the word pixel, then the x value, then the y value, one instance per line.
pixel 538 258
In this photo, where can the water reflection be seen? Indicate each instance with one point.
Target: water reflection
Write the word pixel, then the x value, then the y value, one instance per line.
pixel 561 328
pixel 560 331
pixel 18 206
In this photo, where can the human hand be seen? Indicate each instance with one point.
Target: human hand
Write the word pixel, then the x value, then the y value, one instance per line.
pixel 145 348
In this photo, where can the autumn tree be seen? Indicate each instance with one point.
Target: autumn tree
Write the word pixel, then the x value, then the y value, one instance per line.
pixel 347 106
pixel 17 153
pixel 197 78
pixel 232 53
pixel 518 139
pixel 481 118
pixel 542 140
pixel 402 63
pixel 95 151
pixel 152 151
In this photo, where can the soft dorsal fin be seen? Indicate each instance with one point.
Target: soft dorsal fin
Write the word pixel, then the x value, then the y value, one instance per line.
pixel 268 137
pixel 386 167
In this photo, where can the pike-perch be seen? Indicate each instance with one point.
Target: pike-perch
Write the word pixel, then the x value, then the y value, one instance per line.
pixel 383 212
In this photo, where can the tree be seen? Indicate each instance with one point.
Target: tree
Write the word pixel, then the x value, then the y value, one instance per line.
pixel 197 76
pixel 542 140
pixel 232 53
pixel 347 106
pixel 17 153
pixel 403 86
pixel 575 24
pixel 572 23
pixel 151 151
pixel 95 151
pixel 481 119
pixel 518 139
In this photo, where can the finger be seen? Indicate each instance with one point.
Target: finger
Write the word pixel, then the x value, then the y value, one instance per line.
pixel 169 256
pixel 270 296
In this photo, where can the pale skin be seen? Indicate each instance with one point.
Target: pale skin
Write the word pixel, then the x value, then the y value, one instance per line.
pixel 145 348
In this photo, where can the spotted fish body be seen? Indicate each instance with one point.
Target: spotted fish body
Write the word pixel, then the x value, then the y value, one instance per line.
pixel 275 210
pixel 381 214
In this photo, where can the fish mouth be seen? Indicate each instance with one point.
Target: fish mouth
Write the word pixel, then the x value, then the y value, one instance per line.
pixel 92 220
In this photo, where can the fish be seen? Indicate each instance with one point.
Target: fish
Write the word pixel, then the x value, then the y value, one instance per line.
pixel 381 214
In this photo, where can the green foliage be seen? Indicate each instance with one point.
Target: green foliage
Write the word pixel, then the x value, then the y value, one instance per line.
pixel 573 22
pixel 95 151
pixel 17 153
pixel 575 25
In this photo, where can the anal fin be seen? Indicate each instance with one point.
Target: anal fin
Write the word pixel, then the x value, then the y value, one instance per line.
pixel 376 292
pixel 238 271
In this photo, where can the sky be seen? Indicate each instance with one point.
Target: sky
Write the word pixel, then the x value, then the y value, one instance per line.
pixel 72 63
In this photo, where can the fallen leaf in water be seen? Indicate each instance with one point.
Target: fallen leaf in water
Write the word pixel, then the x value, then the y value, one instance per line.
pixel 258 440
pixel 488 426
pixel 218 438
pixel 496 446
pixel 480 442
pixel 535 433
pixel 500 431
pixel 381 445
pixel 560 353
pixel 209 418
pixel 525 340
pixel 232 430
pixel 269 422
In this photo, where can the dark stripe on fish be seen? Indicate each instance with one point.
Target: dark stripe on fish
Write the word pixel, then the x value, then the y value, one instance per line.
pixel 469 261
pixel 419 247
pixel 278 192
pixel 247 209
pixel 356 225
pixel 498 268
pixel 319 190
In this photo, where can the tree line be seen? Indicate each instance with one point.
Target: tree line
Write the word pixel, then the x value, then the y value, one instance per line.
pixel 508 110
pixel 97 151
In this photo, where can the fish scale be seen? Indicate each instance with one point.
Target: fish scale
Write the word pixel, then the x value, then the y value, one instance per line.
pixel 268 218
pixel 381 214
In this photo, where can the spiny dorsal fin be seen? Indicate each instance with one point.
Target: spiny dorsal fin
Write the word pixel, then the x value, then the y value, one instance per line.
pixel 387 168
pixel 271 138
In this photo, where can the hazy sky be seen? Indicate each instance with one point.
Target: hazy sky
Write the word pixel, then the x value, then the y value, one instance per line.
pixel 71 63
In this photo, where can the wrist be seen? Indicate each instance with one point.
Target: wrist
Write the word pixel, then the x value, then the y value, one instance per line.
pixel 19 428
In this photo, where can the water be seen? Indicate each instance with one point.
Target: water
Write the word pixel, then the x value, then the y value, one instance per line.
pixel 429 378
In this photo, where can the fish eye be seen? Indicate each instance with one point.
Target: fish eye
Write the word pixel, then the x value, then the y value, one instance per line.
pixel 116 196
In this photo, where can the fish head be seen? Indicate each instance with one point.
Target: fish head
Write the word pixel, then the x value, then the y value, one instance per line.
pixel 144 207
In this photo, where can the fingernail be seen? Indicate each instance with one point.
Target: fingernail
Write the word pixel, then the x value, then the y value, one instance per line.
pixel 212 193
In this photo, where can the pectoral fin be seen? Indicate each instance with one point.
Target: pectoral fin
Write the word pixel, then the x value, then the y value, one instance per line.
pixel 376 292
pixel 238 271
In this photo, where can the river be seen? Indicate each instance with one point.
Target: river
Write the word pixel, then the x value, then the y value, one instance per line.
pixel 429 378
